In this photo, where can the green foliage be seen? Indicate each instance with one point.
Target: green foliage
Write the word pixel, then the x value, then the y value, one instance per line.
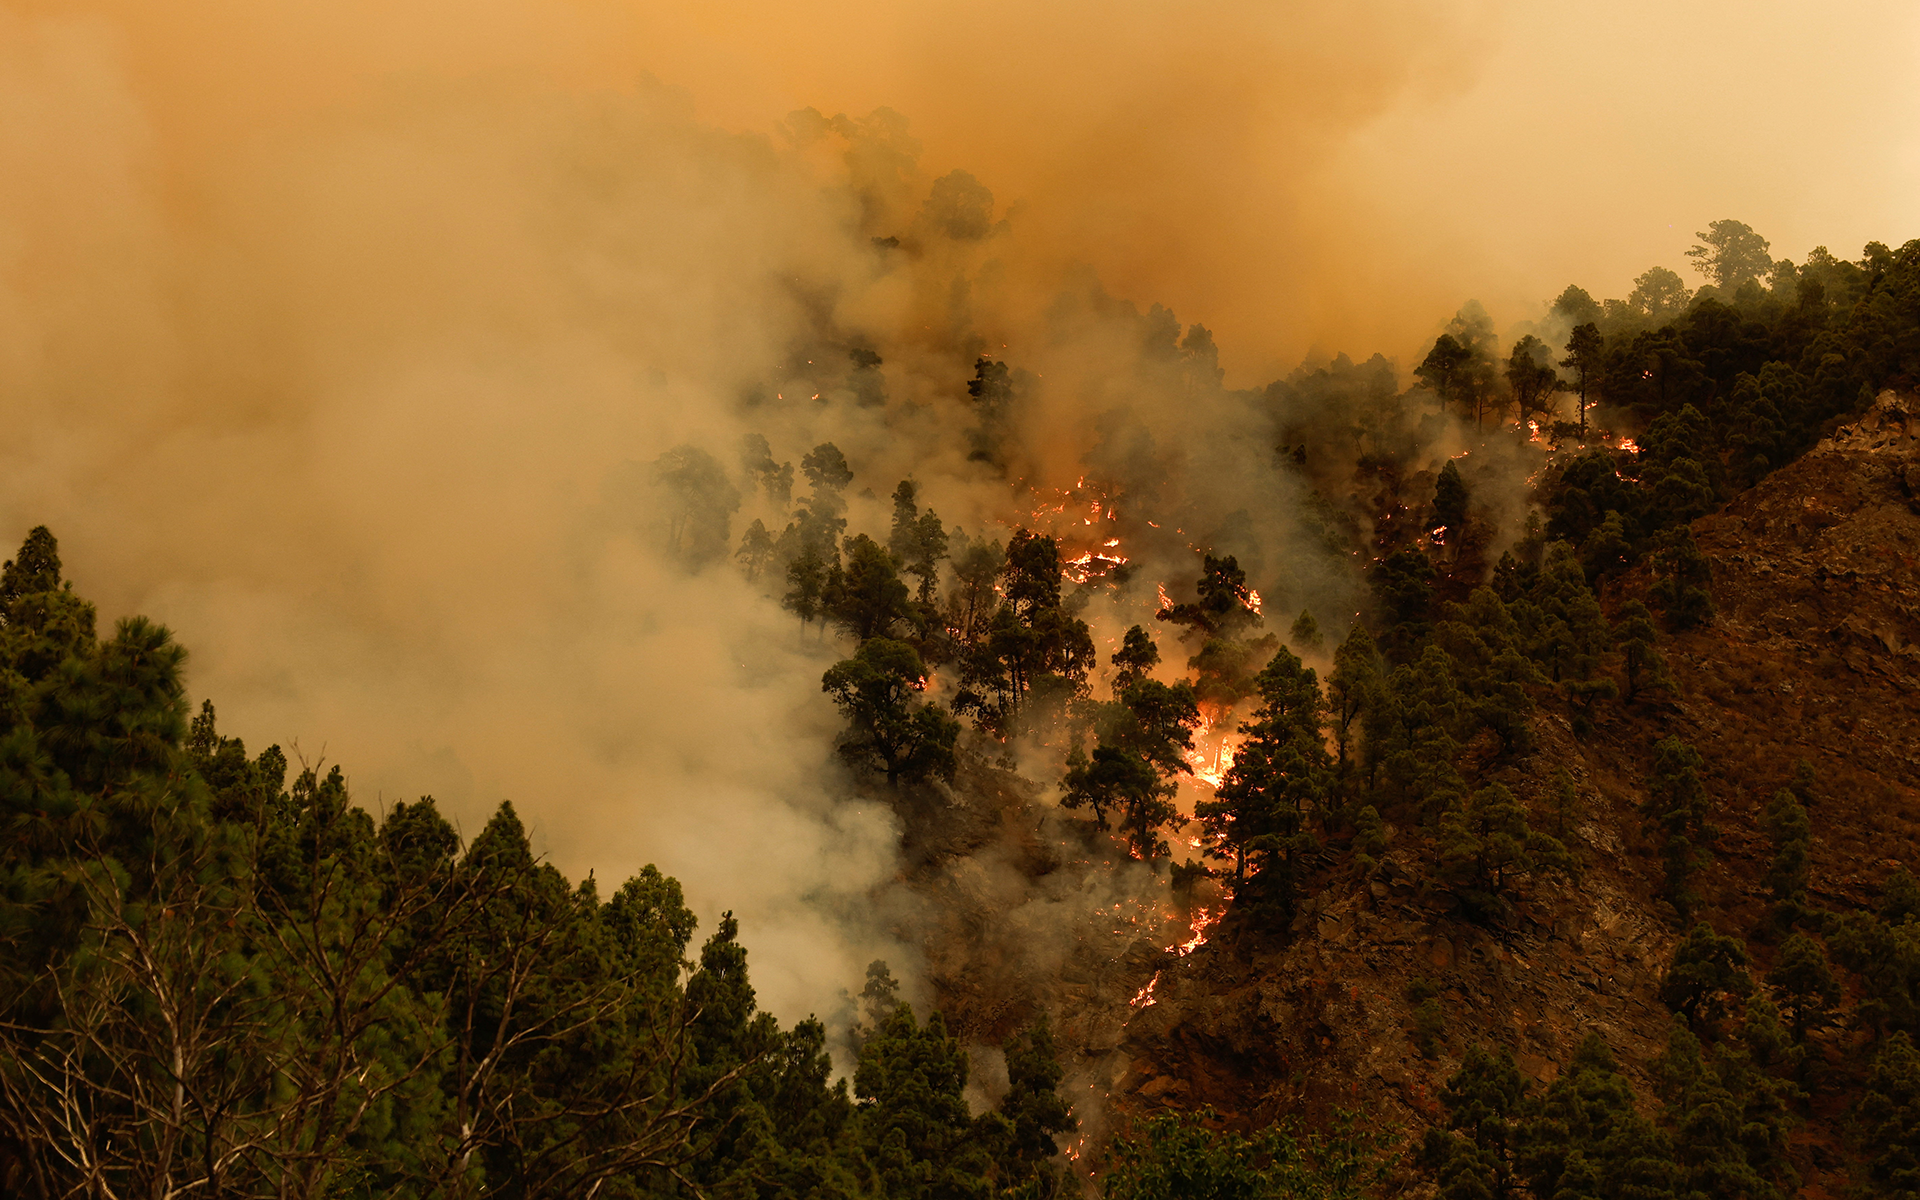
pixel 1136 656
pixel 1483 640
pixel 1473 1159
pixel 1658 294
pixel 1402 586
pixel 756 549
pixel 1887 1120
pixel 1144 736
pixel 918 541
pixel 1486 847
pixel 223 983
pixel 1258 818
pixel 1531 379
pixel 1682 579
pixel 1034 1114
pixel 1727 1121
pixel 1637 639
pixel 1304 636
pixel 875 690
pixel 1219 620
pixel 1561 626
pixel 1730 253
pixel 1788 828
pixel 1708 973
pixel 1187 1156
pixel 826 470
pixel 1806 984
pixel 1584 348
pixel 1677 804
pixel 1563 803
pixel 775 478
pixel 1355 687
pixel 912 1118
pixel 1607 551
pixel 807 579
pixel 865 597
pixel 1884 950
pixel 1585 1138
pixel 991 391
pixel 1411 733
pixel 1028 656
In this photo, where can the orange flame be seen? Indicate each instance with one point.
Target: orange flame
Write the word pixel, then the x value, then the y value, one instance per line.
pixel 1144 997
pixel 1210 767
pixel 1203 922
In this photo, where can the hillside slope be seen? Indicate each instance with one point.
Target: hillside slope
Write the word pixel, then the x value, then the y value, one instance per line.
pixel 1814 656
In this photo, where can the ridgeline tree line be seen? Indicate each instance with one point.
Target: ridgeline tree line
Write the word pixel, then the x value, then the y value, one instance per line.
pixel 220 982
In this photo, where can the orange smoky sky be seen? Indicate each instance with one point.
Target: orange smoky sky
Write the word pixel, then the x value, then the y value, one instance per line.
pixel 1346 173
pixel 1307 174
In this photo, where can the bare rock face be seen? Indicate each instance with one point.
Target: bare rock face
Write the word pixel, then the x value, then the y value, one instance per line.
pixel 1817 588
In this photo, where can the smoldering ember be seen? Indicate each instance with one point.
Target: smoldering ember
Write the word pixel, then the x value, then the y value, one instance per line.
pixel 1009 632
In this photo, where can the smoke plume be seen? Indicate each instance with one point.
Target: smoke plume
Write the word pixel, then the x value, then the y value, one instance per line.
pixel 342 338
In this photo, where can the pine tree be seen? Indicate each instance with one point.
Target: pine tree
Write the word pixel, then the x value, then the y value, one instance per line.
pixel 1708 973
pixel 1562 625
pixel 1136 656
pixel 913 1122
pixel 870 601
pixel 1806 984
pixel 1638 641
pixel 1678 805
pixel 1450 500
pixel 1305 637
pixel 1258 817
pixel 1787 827
pixel 875 690
pixel 1726 1121
pixel 1483 1099
pixel 1486 846
pixel 1412 733
pixel 1887 1120
pixel 756 549
pixel 1682 580
pixel 1584 1138
pixel 1354 686
pixel 1034 1112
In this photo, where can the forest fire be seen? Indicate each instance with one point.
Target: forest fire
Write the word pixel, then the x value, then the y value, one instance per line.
pixel 1144 997
pixel 1204 919
pixel 1092 564
pixel 1081 563
pixel 1210 767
